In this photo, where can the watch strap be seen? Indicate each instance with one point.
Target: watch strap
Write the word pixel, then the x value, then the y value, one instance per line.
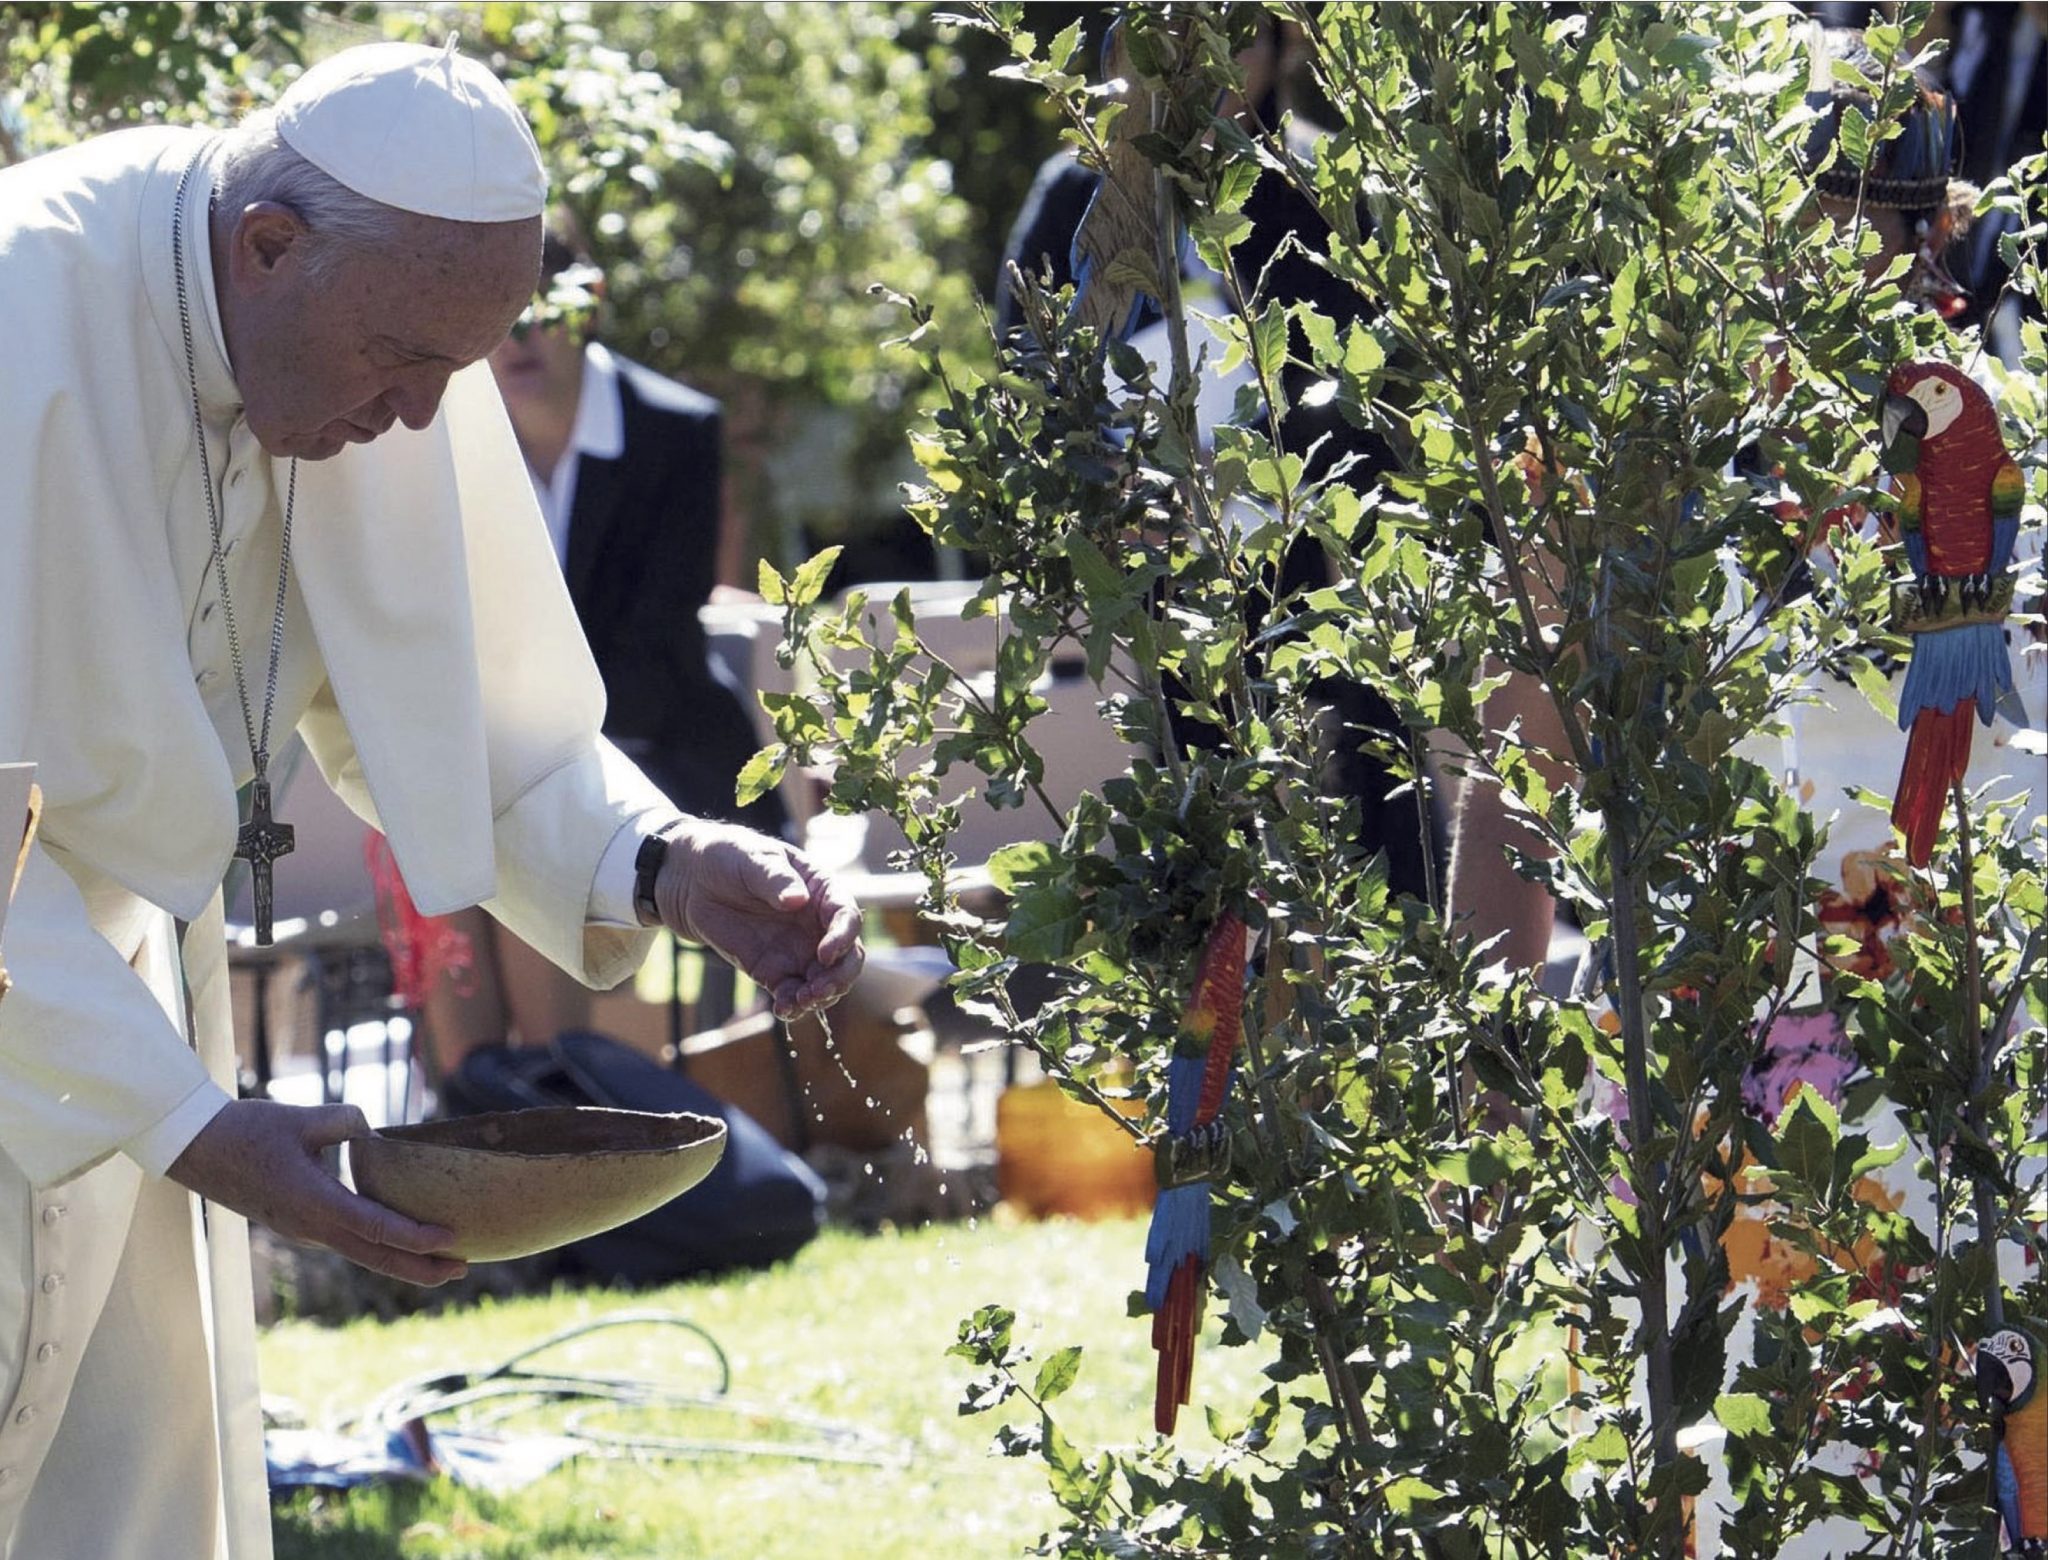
pixel 647 863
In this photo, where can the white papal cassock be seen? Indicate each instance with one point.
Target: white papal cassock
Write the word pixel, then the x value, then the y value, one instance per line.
pixel 434 665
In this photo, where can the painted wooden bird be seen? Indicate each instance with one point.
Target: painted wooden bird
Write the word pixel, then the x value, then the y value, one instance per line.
pixel 2008 1370
pixel 1118 240
pixel 1122 219
pixel 1195 1150
pixel 1959 517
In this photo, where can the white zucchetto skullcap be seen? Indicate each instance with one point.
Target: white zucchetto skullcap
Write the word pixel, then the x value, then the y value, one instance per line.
pixel 425 130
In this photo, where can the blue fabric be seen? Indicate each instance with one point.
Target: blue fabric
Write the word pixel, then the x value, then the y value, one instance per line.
pixel 318 1459
pixel 1953 665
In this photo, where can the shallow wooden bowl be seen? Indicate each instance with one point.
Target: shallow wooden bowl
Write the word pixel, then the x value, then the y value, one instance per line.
pixel 515 1182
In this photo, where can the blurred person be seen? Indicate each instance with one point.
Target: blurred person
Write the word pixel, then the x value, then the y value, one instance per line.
pixel 626 468
pixel 1403 822
pixel 1998 68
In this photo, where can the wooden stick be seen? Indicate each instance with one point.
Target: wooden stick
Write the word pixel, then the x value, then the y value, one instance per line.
pixel 1981 1044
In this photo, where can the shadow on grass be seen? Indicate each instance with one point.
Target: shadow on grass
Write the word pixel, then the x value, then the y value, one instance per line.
pixel 367 1524
pixel 441 1521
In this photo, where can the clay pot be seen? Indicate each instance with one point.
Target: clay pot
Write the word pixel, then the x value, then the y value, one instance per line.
pixel 512 1183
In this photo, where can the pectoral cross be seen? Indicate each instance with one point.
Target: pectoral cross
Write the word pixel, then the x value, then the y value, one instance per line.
pixel 262 840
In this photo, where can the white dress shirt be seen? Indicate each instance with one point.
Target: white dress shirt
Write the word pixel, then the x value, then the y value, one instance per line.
pixel 600 432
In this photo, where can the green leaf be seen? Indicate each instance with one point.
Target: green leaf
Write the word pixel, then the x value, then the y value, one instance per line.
pixel 1852 134
pixel 1065 1470
pixel 1269 343
pixel 1364 355
pixel 1519 156
pixel 1405 1494
pixel 1057 1373
pixel 1045 923
pixel 1810 1305
pixel 985 1336
pixel 760 774
pixel 809 583
pixel 770 583
pixel 1061 51
pixel 1807 1130
pixel 1275 479
pixel 1484 1164
pixel 1743 1414
pixel 1321 333
pixel 1606 1447
pixel 1872 1159
pixel 1100 580
pixel 1241 1291
pixel 1011 865
pixel 1622 298
pixel 1874 685
pixel 1017 1441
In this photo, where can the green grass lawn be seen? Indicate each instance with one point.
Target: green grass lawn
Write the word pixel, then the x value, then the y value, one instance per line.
pixel 854 1329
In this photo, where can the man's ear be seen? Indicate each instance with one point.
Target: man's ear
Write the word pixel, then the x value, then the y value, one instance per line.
pixel 263 244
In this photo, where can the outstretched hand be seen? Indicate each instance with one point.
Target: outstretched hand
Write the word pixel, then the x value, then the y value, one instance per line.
pixel 262 1159
pixel 760 904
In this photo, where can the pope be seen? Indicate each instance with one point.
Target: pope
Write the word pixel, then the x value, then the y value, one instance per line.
pixel 255 479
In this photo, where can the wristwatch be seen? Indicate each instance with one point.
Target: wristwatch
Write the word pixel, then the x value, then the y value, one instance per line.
pixel 647 867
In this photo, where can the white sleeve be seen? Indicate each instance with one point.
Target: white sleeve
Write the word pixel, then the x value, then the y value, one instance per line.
pixel 559 889
pixel 90 1063
pixel 551 841
pixel 611 890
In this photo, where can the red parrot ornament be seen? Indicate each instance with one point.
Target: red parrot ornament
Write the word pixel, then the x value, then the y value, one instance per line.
pixel 2008 1372
pixel 1195 1151
pixel 1959 516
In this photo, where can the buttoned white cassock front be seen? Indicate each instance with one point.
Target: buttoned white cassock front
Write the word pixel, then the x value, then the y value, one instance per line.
pixel 433 663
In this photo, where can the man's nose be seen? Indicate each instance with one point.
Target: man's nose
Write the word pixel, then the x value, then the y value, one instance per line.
pixel 415 402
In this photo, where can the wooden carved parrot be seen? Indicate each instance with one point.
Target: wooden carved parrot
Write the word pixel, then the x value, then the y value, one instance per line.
pixel 1959 517
pixel 1123 218
pixel 2008 1370
pixel 1195 1150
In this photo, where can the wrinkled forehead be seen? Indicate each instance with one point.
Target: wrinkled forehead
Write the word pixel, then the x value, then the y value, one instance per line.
pixel 451 288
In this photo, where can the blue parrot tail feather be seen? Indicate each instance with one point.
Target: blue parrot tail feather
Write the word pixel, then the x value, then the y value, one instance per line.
pixel 1180 1229
pixel 2006 1483
pixel 2005 535
pixel 1970 662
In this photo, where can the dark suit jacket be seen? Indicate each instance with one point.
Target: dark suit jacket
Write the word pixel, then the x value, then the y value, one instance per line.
pixel 642 553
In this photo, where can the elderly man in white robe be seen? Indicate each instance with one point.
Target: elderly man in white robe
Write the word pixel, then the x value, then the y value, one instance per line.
pixel 254 476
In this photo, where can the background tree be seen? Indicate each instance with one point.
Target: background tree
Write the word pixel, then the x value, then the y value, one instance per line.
pixel 747 173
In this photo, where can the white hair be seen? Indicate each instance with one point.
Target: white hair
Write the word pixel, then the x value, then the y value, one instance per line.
pixel 259 166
